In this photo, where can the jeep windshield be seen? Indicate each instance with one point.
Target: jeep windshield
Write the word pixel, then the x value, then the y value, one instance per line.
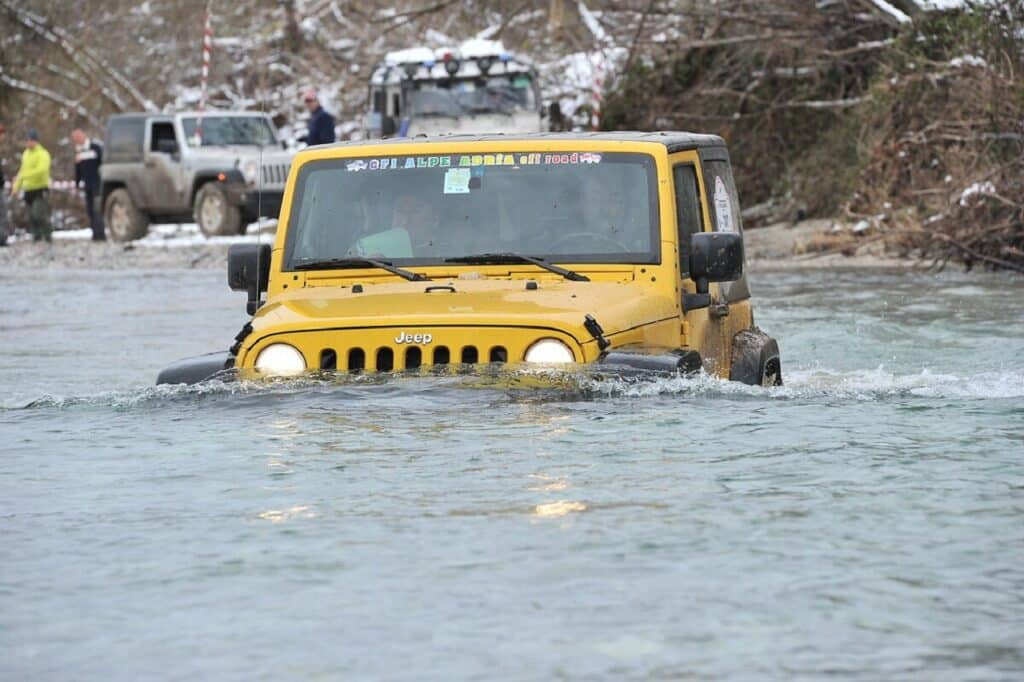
pixel 569 207
pixel 455 98
pixel 217 131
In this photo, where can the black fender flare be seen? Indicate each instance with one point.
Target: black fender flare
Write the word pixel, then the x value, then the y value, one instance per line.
pixel 108 186
pixel 657 360
pixel 197 369
pixel 232 178
pixel 755 359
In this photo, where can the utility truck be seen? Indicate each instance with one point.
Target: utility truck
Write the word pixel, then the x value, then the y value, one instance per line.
pixel 478 87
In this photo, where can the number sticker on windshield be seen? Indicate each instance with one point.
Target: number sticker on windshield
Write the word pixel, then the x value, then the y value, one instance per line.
pixel 456 180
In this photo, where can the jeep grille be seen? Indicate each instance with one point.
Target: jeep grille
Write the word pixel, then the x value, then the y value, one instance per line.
pixel 388 359
pixel 393 349
pixel 275 173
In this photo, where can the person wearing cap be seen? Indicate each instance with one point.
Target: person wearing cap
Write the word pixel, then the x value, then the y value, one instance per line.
pixel 88 157
pixel 34 179
pixel 4 224
pixel 321 124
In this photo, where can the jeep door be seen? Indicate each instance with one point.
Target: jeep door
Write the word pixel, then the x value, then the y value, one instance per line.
pixel 724 210
pixel 163 185
pixel 122 156
pixel 702 328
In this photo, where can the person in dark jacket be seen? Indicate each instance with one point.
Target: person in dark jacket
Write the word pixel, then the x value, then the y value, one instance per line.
pixel 321 124
pixel 88 157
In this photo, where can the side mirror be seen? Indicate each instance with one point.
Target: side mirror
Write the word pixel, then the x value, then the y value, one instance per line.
pixel 249 270
pixel 167 146
pixel 714 257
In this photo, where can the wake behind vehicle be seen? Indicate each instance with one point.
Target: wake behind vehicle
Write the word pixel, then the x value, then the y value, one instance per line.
pixel 622 249
pixel 223 169
pixel 478 87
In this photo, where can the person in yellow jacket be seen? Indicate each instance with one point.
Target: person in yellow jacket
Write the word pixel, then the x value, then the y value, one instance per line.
pixel 34 178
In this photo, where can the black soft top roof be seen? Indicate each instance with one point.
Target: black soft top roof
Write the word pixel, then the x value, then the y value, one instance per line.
pixel 674 141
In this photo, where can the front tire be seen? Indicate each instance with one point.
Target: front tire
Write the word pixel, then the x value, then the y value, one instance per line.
pixel 215 214
pixel 755 359
pixel 124 221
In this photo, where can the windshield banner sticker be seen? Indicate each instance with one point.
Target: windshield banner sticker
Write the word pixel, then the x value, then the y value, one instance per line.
pixel 723 207
pixel 474 160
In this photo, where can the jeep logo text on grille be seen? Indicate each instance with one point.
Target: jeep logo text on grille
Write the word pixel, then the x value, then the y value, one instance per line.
pixel 414 338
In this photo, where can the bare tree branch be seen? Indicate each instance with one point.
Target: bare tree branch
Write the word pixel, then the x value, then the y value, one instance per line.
pixel 52 96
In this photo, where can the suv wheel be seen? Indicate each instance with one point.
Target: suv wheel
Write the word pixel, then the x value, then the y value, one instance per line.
pixel 755 359
pixel 125 222
pixel 214 213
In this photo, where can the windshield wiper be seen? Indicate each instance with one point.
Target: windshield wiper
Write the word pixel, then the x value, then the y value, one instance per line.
pixel 357 262
pixel 499 258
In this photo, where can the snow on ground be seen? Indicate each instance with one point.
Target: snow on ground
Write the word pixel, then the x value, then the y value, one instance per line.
pixel 968 60
pixel 978 188
pixel 172 235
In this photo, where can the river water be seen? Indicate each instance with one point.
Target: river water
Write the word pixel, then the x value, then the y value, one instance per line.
pixel 865 521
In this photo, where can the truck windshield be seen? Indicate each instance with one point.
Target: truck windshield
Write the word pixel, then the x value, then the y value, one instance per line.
pixel 454 98
pixel 228 130
pixel 571 207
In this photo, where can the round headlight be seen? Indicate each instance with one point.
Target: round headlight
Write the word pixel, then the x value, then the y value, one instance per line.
pixel 249 170
pixel 549 351
pixel 280 359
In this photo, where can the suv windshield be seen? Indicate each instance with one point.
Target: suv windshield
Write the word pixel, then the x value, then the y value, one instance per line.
pixel 472 96
pixel 572 207
pixel 228 130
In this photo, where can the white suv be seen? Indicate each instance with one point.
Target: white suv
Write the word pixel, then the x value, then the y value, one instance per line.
pixel 224 169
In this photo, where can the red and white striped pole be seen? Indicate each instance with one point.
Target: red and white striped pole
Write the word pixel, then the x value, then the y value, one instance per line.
pixel 207 49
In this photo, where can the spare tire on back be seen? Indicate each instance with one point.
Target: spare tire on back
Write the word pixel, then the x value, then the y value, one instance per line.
pixel 124 221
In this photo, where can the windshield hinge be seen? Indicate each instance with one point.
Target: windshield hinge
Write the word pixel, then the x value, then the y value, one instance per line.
pixel 592 326
pixel 719 309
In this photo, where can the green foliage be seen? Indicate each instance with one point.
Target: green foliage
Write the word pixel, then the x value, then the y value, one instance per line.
pixel 618 112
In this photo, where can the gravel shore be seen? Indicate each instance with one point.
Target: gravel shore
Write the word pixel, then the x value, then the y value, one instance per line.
pixel 181 247
pixel 88 255
pixel 166 246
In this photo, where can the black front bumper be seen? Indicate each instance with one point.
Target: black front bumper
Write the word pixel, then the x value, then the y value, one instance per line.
pixel 194 370
pixel 262 204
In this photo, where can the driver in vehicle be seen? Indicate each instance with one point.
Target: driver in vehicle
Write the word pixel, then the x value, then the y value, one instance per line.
pixel 414 231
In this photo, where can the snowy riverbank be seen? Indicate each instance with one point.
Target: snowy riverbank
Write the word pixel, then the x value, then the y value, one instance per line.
pixel 166 246
pixel 183 247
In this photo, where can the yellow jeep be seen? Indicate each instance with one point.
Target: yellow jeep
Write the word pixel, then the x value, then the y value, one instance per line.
pixel 624 249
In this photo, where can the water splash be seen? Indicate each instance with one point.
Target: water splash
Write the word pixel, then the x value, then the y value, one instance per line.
pixel 586 383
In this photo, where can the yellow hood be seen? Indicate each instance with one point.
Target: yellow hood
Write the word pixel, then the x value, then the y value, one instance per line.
pixel 555 304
